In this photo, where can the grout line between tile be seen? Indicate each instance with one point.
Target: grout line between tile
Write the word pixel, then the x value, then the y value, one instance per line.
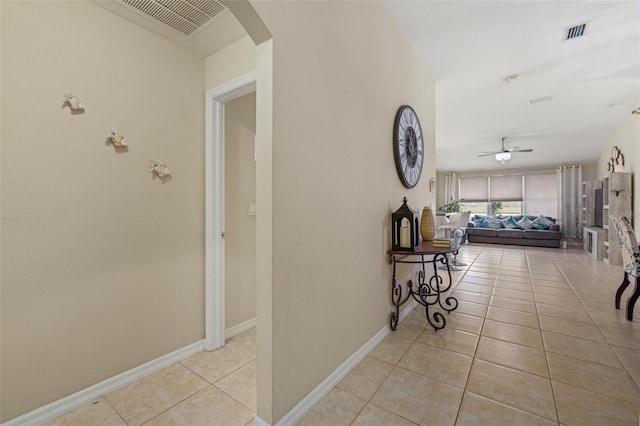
pixel 232 397
pixel 174 405
pixel 116 410
pixel 475 352
pixel 544 349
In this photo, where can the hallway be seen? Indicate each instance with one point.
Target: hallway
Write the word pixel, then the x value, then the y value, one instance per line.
pixel 535 341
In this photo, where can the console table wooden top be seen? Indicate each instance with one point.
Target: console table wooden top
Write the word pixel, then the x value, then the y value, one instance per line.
pixel 426 248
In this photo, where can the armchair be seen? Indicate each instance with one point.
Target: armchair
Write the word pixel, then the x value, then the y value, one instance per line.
pixel 630 261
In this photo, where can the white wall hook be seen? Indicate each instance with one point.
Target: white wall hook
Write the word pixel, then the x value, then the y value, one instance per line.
pixel 160 169
pixel 74 103
pixel 116 139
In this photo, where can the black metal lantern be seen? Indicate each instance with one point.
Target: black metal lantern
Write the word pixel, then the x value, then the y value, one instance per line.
pixel 405 229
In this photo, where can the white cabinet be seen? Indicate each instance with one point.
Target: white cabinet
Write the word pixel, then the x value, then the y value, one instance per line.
pixel 593 242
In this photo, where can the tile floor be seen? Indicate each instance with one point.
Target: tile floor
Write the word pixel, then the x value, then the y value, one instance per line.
pixel 535 341
pixel 209 388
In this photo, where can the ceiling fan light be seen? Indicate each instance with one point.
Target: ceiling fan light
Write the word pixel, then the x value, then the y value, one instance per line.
pixel 503 156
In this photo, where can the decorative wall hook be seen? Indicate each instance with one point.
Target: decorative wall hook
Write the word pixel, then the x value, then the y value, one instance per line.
pixel 616 162
pixel 74 103
pixel 159 169
pixel 116 139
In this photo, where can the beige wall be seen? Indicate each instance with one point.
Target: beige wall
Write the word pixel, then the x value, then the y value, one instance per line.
pixel 626 137
pixel 102 265
pixel 1 95
pixel 240 227
pixel 340 72
pixel 264 229
pixel 590 172
pixel 231 62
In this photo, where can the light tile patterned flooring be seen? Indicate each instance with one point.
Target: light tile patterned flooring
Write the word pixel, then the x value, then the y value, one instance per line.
pixel 535 341
pixel 209 388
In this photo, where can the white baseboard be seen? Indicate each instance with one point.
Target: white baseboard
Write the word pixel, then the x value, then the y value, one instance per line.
pixel 302 408
pixel 80 398
pixel 259 422
pixel 237 329
pixel 297 413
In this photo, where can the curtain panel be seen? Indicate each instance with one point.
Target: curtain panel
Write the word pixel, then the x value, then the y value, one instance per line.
pixel 450 187
pixel 569 182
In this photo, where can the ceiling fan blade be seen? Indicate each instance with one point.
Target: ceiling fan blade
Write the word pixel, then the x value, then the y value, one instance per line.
pixel 513 149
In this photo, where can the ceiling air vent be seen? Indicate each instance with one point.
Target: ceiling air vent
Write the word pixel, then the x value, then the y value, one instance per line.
pixel 575 31
pixel 186 16
pixel 542 99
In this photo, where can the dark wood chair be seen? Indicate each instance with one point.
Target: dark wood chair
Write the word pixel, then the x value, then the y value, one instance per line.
pixel 630 261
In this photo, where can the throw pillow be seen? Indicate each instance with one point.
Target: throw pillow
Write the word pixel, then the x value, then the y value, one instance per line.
pixel 494 223
pixel 542 222
pixel 481 222
pixel 509 223
pixel 525 223
pixel 546 220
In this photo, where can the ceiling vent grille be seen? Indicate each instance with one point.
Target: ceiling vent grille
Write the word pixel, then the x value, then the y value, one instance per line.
pixel 575 31
pixel 186 16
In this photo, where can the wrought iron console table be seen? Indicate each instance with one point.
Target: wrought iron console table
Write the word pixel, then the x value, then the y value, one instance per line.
pixel 428 293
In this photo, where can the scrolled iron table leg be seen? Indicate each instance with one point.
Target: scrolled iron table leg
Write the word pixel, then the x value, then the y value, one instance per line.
pixel 450 303
pixel 396 296
pixel 427 292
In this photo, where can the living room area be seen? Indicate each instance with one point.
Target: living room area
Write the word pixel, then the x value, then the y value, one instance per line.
pixel 575 203
pixel 550 135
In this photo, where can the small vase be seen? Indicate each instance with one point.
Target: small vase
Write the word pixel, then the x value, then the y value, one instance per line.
pixel 427 224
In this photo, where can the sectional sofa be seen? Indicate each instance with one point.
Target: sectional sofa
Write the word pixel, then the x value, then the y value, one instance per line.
pixel 550 237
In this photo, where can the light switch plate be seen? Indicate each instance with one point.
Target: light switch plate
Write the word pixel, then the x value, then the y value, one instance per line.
pixel 252 209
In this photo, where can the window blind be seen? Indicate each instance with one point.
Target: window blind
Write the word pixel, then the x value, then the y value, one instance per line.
pixel 474 188
pixel 505 188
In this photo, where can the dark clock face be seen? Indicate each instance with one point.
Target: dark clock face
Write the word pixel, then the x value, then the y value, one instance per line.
pixel 408 146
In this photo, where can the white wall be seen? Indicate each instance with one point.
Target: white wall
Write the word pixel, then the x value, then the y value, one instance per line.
pixel 102 265
pixel 240 227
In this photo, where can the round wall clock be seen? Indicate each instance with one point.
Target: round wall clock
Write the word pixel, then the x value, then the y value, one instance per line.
pixel 408 146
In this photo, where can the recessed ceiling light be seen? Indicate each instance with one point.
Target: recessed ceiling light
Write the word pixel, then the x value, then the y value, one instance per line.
pixel 542 99
pixel 509 78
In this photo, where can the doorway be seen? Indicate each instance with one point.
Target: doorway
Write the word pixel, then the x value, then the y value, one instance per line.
pixel 240 216
pixel 215 247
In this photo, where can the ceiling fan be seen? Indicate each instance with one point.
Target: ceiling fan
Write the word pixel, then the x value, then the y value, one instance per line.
pixel 505 153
